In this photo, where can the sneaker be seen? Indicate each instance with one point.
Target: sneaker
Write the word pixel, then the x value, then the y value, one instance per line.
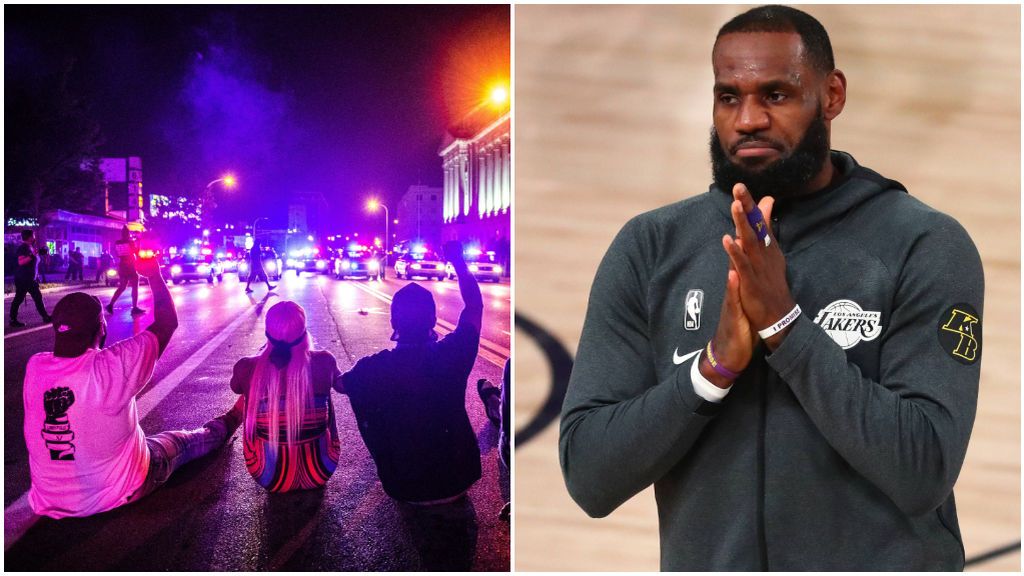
pixel 136 311
pixel 16 324
pixel 490 396
pixel 248 290
pixel 109 308
pixel 271 288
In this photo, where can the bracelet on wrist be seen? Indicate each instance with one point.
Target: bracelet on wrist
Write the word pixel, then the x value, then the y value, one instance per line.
pixel 717 366
pixel 781 324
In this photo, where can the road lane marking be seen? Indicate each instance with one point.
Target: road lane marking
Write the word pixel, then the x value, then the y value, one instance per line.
pixel 18 517
pixel 491 351
pixel 28 331
pixel 168 383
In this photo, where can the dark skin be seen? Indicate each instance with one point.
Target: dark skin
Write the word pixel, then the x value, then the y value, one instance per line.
pixel 766 96
pixel 165 316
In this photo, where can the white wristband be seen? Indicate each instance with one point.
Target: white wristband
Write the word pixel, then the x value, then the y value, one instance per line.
pixel 703 387
pixel 781 324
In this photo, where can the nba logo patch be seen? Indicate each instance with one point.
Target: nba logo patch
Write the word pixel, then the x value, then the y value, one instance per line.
pixel 693 304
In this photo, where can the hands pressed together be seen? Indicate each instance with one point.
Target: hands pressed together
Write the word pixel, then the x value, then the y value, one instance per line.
pixel 756 296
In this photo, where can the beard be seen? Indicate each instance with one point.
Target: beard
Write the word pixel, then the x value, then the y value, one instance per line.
pixel 786 177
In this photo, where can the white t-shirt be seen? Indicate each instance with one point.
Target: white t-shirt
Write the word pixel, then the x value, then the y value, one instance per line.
pixel 90 457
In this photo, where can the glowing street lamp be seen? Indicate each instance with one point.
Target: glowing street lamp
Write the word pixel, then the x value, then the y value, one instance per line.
pixel 207 200
pixel 498 96
pixel 372 206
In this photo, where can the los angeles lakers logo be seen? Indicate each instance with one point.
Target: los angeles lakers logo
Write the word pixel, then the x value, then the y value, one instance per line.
pixel 848 324
pixel 960 333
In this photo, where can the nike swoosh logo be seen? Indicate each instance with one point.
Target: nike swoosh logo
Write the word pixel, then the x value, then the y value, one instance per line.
pixel 677 359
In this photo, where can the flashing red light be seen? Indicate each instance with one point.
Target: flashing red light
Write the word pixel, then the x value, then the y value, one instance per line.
pixel 231 254
pixel 316 250
pixel 206 251
pixel 146 254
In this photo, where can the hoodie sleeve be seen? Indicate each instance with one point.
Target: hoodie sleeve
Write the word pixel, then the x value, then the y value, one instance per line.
pixel 621 428
pixel 908 432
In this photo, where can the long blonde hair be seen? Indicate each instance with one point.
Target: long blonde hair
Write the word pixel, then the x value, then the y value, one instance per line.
pixel 272 378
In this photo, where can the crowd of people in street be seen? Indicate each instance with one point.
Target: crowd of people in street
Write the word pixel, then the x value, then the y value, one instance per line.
pixel 88 453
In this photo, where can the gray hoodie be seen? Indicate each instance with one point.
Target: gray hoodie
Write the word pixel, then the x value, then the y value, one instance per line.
pixel 838 451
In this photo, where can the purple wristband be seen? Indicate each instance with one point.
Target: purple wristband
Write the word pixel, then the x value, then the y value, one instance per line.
pixel 756 220
pixel 717 366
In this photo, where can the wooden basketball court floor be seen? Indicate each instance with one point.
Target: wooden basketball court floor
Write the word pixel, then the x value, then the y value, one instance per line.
pixel 612 112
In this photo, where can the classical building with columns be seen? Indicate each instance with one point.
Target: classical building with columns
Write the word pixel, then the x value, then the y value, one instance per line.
pixel 477 202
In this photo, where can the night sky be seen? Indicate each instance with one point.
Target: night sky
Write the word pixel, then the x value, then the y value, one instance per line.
pixel 348 101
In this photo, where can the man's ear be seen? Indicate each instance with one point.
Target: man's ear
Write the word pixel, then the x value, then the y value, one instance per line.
pixel 835 95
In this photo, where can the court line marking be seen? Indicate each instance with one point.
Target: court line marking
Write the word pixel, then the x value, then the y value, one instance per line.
pixel 560 362
pixel 993 554
pixel 491 351
pixel 18 517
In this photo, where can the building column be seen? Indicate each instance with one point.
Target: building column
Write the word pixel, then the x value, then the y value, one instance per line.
pixel 488 181
pixel 506 173
pixel 496 175
pixel 481 181
pixel 447 189
pixel 451 194
pixel 492 180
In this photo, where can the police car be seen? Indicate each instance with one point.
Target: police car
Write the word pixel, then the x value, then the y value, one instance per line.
pixel 272 265
pixel 420 262
pixel 307 260
pixel 482 266
pixel 358 261
pixel 194 265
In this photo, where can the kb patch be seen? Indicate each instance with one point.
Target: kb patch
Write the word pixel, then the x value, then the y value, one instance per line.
pixel 960 333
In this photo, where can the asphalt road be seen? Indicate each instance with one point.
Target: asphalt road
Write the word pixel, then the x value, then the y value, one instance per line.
pixel 212 515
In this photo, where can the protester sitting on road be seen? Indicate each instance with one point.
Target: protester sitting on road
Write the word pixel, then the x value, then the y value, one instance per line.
pixel 256 271
pixel 291 437
pixel 410 402
pixel 126 273
pixel 497 401
pixel 25 279
pixel 87 453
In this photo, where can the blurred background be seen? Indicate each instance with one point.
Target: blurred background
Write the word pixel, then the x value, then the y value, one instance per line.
pixel 613 109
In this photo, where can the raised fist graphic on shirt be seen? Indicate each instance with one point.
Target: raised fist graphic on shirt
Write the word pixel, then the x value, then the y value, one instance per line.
pixel 56 431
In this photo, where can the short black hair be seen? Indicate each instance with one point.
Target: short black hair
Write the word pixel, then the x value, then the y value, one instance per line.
pixel 785 19
pixel 26 234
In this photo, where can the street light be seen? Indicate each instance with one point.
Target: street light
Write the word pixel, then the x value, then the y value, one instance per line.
pixel 372 205
pixel 254 225
pixel 499 96
pixel 207 200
